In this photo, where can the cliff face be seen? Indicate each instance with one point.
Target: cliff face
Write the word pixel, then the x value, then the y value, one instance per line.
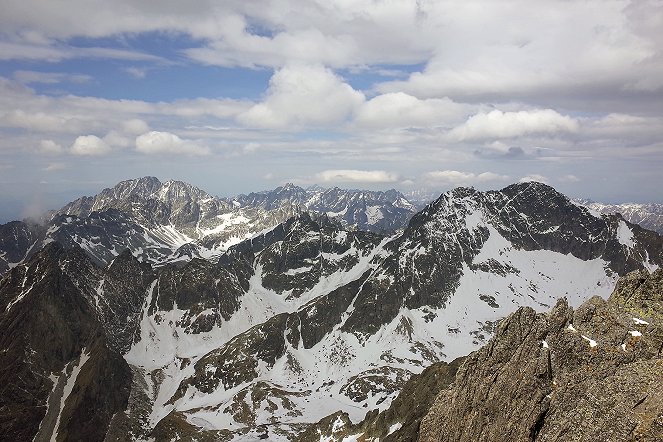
pixel 593 374
pixel 61 380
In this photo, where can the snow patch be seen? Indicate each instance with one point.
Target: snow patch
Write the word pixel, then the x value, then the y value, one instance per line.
pixel 68 388
pixel 625 235
pixel 374 214
pixel 394 427
pixel 592 343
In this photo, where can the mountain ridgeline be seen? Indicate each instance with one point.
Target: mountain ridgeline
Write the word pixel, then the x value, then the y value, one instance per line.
pixel 154 311
pixel 175 221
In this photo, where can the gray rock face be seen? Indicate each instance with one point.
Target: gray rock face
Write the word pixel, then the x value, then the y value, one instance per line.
pixel 17 239
pixel 593 374
pixel 60 375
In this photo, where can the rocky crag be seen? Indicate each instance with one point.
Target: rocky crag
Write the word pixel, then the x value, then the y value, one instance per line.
pixel 592 374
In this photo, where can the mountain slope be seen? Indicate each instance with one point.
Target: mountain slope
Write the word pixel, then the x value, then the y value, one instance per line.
pixel 60 376
pixel 432 293
pixel 17 240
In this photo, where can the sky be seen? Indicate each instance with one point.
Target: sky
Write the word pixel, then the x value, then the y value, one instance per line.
pixel 235 96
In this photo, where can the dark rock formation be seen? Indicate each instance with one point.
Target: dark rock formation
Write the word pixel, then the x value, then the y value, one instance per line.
pixel 59 375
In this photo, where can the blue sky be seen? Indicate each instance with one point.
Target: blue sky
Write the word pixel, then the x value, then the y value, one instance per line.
pixel 237 96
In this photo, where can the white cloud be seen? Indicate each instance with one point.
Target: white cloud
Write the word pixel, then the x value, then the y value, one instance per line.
pixel 42 121
pixel 135 72
pixel 135 126
pixel 561 48
pixel 50 147
pixel 458 178
pixel 54 53
pixel 89 145
pixel 399 109
pixel 569 179
pixel 303 95
pixel 118 139
pixel 28 77
pixel 534 177
pixel 53 167
pixel 497 124
pixel 357 176
pixel 155 142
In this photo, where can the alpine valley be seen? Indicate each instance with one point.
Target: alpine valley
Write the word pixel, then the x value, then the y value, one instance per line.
pixel 155 311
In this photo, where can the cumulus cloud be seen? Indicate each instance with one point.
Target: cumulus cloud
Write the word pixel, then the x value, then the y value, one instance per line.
pixel 357 176
pixel 303 95
pixel 155 142
pixel 399 109
pixel 458 178
pixel 89 145
pixel 497 124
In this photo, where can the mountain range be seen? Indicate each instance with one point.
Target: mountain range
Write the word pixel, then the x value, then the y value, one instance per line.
pixel 175 221
pixel 649 215
pixel 155 311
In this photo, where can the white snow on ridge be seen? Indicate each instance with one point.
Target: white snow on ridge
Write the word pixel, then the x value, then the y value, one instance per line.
pixel 170 235
pixel 227 220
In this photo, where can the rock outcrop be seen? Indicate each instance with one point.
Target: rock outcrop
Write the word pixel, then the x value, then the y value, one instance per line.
pixel 593 374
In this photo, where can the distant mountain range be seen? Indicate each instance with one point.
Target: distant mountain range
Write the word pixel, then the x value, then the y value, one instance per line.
pixel 153 311
pixel 175 221
pixel 649 215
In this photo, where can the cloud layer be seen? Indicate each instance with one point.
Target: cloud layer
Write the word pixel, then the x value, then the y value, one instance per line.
pixel 426 94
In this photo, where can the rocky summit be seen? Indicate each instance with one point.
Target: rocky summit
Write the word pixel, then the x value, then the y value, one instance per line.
pixel 154 311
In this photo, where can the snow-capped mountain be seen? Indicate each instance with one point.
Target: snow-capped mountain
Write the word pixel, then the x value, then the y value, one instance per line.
pixel 373 211
pixel 175 221
pixel 648 215
pixel 296 323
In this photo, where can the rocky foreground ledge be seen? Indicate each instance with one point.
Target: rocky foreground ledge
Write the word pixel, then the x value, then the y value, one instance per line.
pixel 590 374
